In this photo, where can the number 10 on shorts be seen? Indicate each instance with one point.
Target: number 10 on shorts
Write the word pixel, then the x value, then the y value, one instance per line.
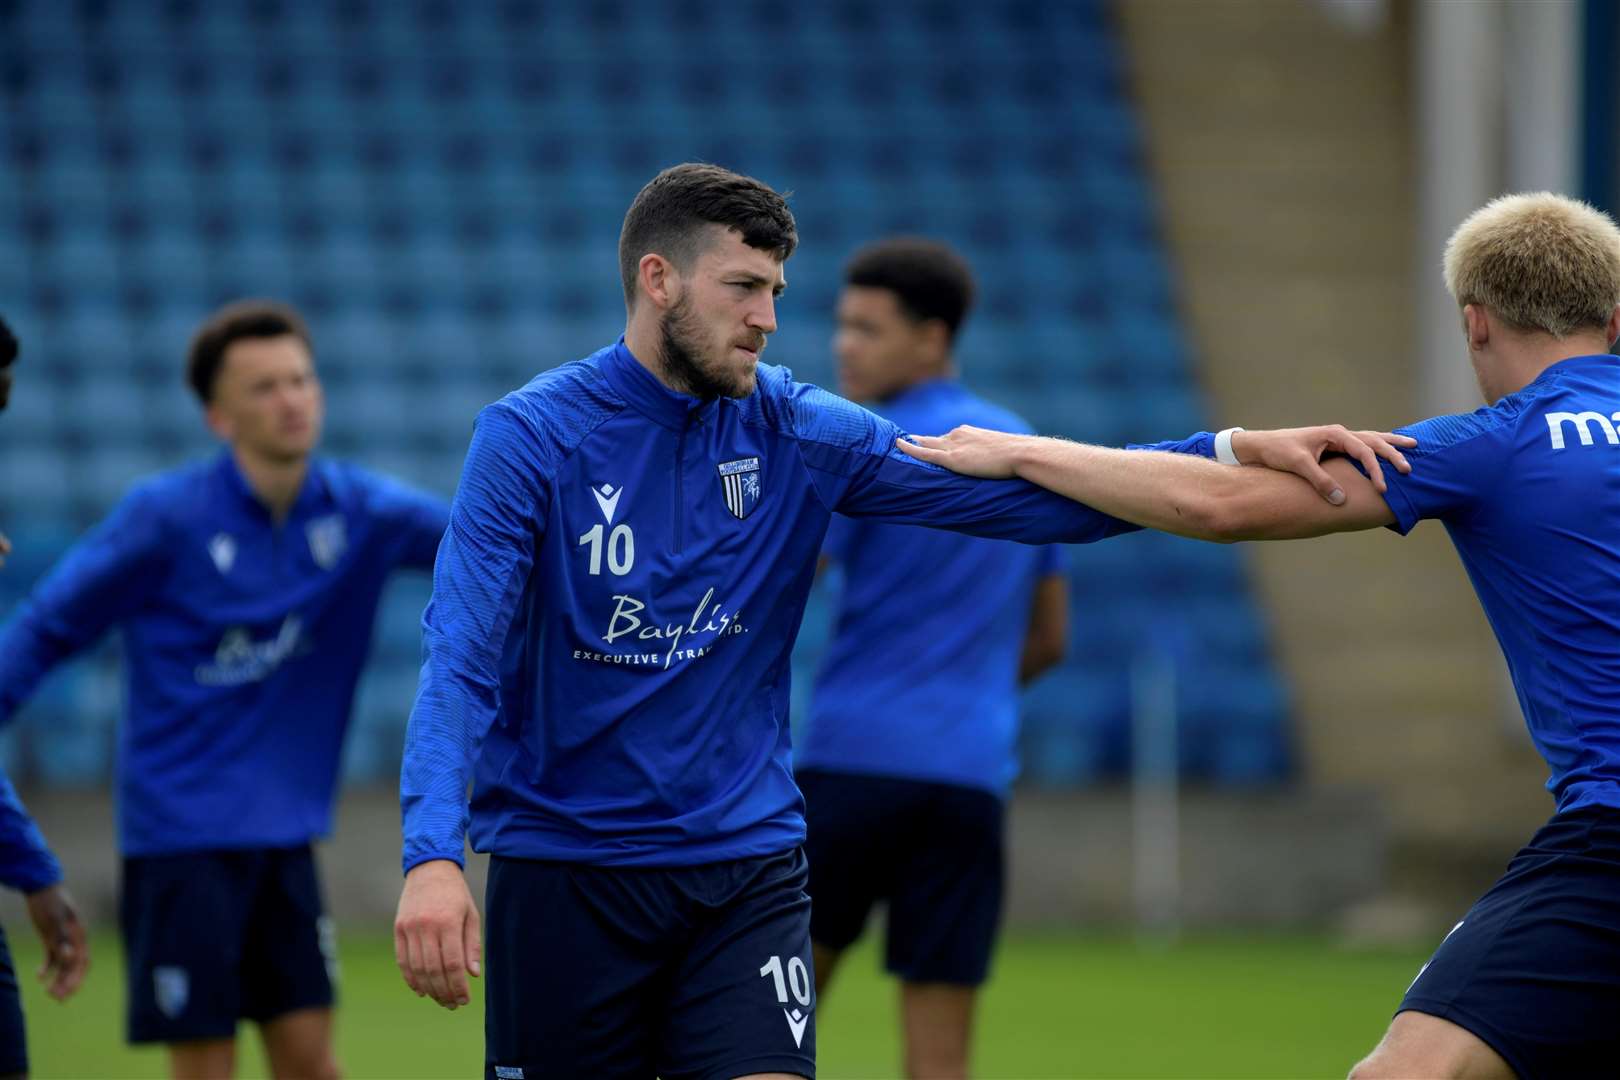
pixel 798 980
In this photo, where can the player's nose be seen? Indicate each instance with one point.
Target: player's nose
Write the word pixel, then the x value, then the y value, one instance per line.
pixel 762 316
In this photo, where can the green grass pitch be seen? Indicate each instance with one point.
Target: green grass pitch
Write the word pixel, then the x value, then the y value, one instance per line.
pixel 1059 1005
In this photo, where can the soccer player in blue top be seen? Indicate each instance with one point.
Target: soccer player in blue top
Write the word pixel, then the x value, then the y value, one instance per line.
pixel 606 664
pixel 27 864
pixel 1528 983
pixel 909 749
pixel 245 587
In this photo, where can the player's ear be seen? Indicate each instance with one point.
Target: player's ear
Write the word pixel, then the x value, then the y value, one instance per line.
pixel 1477 325
pixel 1614 326
pixel 656 276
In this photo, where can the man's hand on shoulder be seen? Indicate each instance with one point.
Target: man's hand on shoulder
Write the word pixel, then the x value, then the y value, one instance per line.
pixel 437 933
pixel 1300 451
pixel 67 953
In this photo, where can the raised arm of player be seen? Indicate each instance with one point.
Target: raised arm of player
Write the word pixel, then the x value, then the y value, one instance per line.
pixel 105 577
pixel 483 565
pixel 852 461
pixel 26 864
pixel 1193 497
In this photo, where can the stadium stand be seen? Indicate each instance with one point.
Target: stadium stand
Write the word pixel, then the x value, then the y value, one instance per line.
pixel 439 187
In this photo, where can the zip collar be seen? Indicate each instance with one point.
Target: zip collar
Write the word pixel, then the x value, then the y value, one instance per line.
pixel 647 395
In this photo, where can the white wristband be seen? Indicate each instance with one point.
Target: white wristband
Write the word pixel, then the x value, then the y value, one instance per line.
pixel 1223 447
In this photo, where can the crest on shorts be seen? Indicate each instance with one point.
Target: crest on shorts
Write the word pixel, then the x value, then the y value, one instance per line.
pixel 328 540
pixel 739 482
pixel 171 986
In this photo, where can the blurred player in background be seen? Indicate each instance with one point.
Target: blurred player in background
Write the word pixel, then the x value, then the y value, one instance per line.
pixel 606 658
pixel 909 749
pixel 246 587
pixel 26 864
pixel 1528 983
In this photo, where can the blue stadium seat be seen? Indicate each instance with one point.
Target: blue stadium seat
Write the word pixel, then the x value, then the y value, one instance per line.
pixel 441 186
pixel 37 482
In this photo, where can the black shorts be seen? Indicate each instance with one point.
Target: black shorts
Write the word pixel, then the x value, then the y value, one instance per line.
pixel 1533 969
pixel 686 973
pixel 214 937
pixel 13 1036
pixel 933 852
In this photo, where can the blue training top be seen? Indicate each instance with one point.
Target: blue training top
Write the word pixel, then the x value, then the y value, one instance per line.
pixel 606 653
pixel 25 862
pixel 243 643
pixel 920 679
pixel 1529 489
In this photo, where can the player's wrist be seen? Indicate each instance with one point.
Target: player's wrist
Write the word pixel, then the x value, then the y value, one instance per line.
pixel 1229 445
pixel 431 865
pixel 1025 453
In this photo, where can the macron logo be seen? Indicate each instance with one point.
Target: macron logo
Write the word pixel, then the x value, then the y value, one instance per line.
pixel 1582 423
pixel 608 499
pixel 797 1021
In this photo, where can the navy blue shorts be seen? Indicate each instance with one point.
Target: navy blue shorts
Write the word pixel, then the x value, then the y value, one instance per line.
pixel 934 853
pixel 214 937
pixel 13 1036
pixel 1534 967
pixel 686 973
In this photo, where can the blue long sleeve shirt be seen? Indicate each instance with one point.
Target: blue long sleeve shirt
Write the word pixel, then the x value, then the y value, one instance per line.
pixel 243 642
pixel 606 653
pixel 1529 491
pixel 26 863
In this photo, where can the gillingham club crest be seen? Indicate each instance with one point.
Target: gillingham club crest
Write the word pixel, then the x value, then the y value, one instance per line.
pixel 739 481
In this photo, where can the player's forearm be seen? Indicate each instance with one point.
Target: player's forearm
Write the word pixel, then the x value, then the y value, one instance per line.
pixel 1195 497
pixel 1177 493
pixel 440 748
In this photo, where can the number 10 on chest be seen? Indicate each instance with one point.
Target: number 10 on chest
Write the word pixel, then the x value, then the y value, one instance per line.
pixel 620 545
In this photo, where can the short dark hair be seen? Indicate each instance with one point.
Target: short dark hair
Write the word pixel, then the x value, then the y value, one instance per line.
pixel 8 345
pixel 928 278
pixel 668 215
pixel 232 323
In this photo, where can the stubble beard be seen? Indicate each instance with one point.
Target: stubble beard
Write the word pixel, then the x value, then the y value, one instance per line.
pixel 679 334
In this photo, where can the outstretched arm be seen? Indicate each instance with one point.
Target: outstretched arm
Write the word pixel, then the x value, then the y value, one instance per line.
pixel 855 469
pixel 1185 495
